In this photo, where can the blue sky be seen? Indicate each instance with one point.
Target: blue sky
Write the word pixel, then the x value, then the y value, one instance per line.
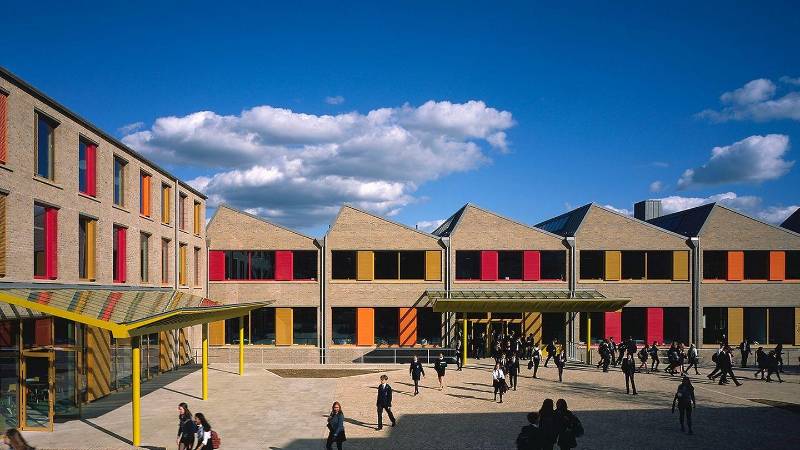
pixel 289 109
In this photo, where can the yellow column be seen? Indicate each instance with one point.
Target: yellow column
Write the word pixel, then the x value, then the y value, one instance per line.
pixel 588 338
pixel 241 345
pixel 136 363
pixel 205 361
pixel 464 339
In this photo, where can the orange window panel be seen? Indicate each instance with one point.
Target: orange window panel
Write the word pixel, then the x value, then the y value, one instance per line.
pixel 365 326
pixel 408 326
pixel 284 326
pixel 735 266
pixel 777 266
pixel 145 195
pixel 216 333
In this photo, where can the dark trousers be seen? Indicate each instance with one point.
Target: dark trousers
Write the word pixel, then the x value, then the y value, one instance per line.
pixel 549 355
pixel 498 389
pixel 654 363
pixel 727 372
pixel 416 385
pixel 560 371
pixel 380 415
pixel 687 412
pixel 459 359
pixel 714 372
pixel 744 359
pixel 692 364
pixel 619 359
pixel 513 379
pixel 330 441
pixel 605 362
pixel 629 383
pixel 535 367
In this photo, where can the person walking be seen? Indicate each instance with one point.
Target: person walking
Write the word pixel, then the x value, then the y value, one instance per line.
pixel 629 369
pixel 536 358
pixel 529 346
pixel 498 381
pixel 513 370
pixel 384 401
pixel 186 428
pixel 726 367
pixel 482 345
pixel 621 349
pixel 335 427
pixel 561 361
pixel 14 440
pixel 603 350
pixel 551 351
pixel 694 358
pixel 547 424
pixel 654 361
pixel 568 426
pixel 684 397
pixel 772 367
pixel 612 351
pixel 459 355
pixel 530 437
pixel 643 358
pixel 440 366
pixel 203 434
pixel 744 351
pixel 779 356
pixel 761 362
pixel 716 359
pixel 416 371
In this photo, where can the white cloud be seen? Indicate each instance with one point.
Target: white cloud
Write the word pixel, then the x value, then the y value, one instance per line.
pixel 297 169
pixel 656 186
pixel 751 160
pixel 748 204
pixel 627 212
pixel 755 101
pixel 429 225
pixel 335 100
pixel 130 128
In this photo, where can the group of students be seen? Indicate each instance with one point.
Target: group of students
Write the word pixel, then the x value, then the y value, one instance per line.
pixel 550 426
pixel 677 356
pixel 770 362
pixel 194 431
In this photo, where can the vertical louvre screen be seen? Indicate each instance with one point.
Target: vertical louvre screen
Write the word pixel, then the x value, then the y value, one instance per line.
pixel 532 324
pixel 182 265
pixel 166 192
pixel 735 266
pixel 408 326
pixel 91 170
pixel 735 325
pixel 777 266
pixel 91 240
pixel 3 128
pixel 51 243
pixel 365 326
pixel 216 333
pixel 145 200
pixel 489 265
pixel 121 255
pixel 613 325
pixel 284 265
pixel 655 325
pixel 613 265
pixel 680 265
pixel 433 265
pixel 365 266
pixel 216 265
pixel 284 326
pixel 2 228
pixel 531 265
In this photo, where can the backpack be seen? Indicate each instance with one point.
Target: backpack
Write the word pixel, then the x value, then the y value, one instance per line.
pixel 714 357
pixel 215 440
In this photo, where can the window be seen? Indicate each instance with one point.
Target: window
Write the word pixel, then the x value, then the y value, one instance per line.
pixel 182 265
pixel 304 326
pixel 2 226
pixel 182 211
pixel 198 219
pixel 232 330
pixel 634 323
pixel 144 257
pixel 509 265
pixel 344 325
pixel 715 265
pixel 598 326
pixel 45 145
pixel 715 322
pixel 119 181
pixel 659 265
pixel 755 324
pixel 166 203
pixel 262 329
pixel 249 265
pixel 793 265
pixel 429 326
pixel 45 241
pixel 86 248
pixel 633 265
pixel 412 265
pixel 343 265
pixel 387 327
pixel 756 265
pixel 781 326
pixel 676 324
pixel 197 266
pixel 305 265
pixel 87 164
pixel 387 265
pixel 119 254
pixel 237 265
pixel 553 265
pixel 262 265
pixel 468 265
pixel 592 264
pixel 165 244
pixel 144 194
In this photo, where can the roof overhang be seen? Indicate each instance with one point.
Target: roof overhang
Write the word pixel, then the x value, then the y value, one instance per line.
pixel 518 301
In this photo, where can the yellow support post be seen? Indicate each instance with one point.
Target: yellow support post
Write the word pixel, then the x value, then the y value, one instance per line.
pixel 464 340
pixel 205 361
pixel 241 345
pixel 136 368
pixel 588 338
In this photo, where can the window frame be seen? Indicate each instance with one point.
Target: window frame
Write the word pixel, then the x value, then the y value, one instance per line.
pixel 123 163
pixel 51 151
pixel 144 257
pixel 166 243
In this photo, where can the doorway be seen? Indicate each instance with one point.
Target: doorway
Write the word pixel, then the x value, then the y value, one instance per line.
pixel 38 374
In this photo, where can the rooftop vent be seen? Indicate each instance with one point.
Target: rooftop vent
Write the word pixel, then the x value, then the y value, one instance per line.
pixel 647 209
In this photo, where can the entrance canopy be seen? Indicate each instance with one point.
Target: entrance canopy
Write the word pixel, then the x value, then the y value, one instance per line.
pixel 124 312
pixel 528 300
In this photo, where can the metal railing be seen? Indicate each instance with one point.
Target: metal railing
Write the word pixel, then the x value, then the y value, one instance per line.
pixel 314 355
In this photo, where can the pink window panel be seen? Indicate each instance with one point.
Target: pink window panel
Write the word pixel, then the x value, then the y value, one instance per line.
pixel 531 265
pixel 51 242
pixel 655 325
pixel 284 265
pixel 489 265
pixel 216 265
pixel 91 170
pixel 613 325
pixel 122 258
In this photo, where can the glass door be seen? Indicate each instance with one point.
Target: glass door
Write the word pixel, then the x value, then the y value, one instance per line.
pixel 38 389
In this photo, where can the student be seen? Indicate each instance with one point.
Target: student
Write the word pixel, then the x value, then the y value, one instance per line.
pixel 779 356
pixel 536 358
pixel 643 358
pixel 761 362
pixel 716 358
pixel 186 428
pixel 621 349
pixel 561 361
pixel 529 345
pixel 612 350
pixel 416 370
pixel 654 361
pixel 513 370
pixel 14 440
pixel 459 354
pixel 551 351
pixel 694 358
pixel 772 367
pixel 744 350
pixel 629 369
pixel 725 360
pixel 530 438
pixel 203 433
pixel 568 426
pixel 335 427
pixel 440 366
pixel 685 399
pixel 482 346
pixel 604 350
pixel 498 381
pixel 384 401
pixel 547 424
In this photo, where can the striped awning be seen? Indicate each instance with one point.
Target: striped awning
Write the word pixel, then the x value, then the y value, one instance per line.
pixel 125 312
pixel 527 300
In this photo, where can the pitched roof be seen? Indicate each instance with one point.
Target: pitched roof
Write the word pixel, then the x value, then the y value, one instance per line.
pixel 449 226
pixel 688 222
pixel 253 216
pixel 793 221
pixel 381 218
pixel 566 224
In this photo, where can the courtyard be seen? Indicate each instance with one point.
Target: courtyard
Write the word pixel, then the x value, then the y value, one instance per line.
pixel 285 407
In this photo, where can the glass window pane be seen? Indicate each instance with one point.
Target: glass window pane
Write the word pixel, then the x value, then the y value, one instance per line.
pixel 386 326
pixel 64 331
pixel 236 265
pixel 66 404
pixel 344 325
pixel 263 326
pixel 44 145
pixel 119 181
pixel 38 241
pixel 82 166
pixel 82 266
pixel 262 265
pixel 305 326
pixel 305 265
pixel 9 389
pixel 232 331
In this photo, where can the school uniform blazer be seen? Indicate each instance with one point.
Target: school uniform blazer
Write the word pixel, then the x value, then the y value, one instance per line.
pixel 384 396
pixel 416 370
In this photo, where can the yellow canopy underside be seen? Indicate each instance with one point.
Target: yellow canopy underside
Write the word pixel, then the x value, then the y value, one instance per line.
pixel 519 301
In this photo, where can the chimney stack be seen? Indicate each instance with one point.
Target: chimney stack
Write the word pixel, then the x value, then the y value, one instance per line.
pixel 647 209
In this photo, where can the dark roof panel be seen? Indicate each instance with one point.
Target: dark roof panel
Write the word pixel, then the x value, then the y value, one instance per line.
pixel 793 222
pixel 566 224
pixel 445 229
pixel 688 222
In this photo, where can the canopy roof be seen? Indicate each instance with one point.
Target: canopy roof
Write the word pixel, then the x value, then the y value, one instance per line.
pixel 528 300
pixel 124 312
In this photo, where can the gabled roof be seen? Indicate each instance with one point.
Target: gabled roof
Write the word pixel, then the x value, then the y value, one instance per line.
pixel 793 222
pixel 688 222
pixel 451 224
pixel 346 205
pixel 566 224
pixel 253 216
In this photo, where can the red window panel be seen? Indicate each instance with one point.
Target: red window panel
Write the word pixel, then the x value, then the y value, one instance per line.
pixel 489 265
pixel 91 170
pixel 42 334
pixel 613 325
pixel 51 242
pixel 284 265
pixel 655 325
pixel 122 259
pixel 531 265
pixel 216 265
